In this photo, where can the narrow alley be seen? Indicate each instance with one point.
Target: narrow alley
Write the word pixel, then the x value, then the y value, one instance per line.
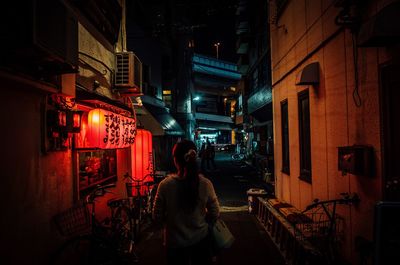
pixel 252 245
pixel 297 98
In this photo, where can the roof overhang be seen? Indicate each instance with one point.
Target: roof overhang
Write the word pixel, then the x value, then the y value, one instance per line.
pixel 159 121
pixel 95 100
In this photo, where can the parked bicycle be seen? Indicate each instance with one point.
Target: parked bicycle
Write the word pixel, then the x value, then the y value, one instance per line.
pixel 325 228
pixel 91 241
pixel 238 159
pixel 135 210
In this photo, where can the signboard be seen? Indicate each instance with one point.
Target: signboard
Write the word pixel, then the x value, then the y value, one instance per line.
pixel 105 130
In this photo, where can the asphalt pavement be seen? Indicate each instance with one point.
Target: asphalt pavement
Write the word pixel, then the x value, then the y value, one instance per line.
pixel 252 245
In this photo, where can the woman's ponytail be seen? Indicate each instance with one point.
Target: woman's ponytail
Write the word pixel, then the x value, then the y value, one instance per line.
pixel 185 156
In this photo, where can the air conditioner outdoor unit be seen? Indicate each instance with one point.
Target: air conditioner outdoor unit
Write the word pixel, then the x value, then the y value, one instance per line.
pixel 128 74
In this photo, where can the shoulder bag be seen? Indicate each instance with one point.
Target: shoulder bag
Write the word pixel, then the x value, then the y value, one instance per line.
pixel 221 235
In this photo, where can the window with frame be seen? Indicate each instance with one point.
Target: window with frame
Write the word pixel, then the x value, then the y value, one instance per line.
pixel 304 136
pixel 167 98
pixel 96 167
pixel 285 137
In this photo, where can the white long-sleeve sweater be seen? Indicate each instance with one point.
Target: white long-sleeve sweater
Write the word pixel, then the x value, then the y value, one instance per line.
pixel 183 229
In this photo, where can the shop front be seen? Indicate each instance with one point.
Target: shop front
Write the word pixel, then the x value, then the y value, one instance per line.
pixel 103 145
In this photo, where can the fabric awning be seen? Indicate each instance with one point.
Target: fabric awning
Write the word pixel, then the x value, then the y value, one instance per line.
pixel 159 121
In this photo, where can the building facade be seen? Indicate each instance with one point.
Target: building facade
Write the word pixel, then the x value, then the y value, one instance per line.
pixel 58 65
pixel 253 47
pixel 213 98
pixel 334 67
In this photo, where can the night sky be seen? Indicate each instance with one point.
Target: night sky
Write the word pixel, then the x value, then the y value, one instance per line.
pixel 210 21
pixel 219 27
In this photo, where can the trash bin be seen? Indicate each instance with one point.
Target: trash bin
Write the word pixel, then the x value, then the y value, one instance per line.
pixel 252 195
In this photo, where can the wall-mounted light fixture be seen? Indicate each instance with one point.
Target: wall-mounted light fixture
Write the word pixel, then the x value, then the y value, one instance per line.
pixel 74 121
pixel 309 75
pixel 56 122
pixel 63 121
pixel 96 85
pixel 57 130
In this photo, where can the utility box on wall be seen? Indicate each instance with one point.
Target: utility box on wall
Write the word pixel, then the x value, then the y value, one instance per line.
pixel 356 160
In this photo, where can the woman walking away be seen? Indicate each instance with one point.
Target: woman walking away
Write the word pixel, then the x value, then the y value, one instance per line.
pixel 186 203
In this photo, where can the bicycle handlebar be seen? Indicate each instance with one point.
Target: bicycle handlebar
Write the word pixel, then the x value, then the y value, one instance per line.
pixel 154 175
pixel 95 193
pixel 347 199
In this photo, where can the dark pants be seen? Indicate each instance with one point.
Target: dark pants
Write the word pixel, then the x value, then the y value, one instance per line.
pixel 203 163
pixel 213 162
pixel 197 254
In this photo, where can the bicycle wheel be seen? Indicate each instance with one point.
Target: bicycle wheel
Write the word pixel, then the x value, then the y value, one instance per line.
pixel 123 226
pixel 237 159
pixel 85 250
pixel 151 198
pixel 137 218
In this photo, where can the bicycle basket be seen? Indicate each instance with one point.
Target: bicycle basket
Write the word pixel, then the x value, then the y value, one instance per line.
pixel 132 189
pixel 74 221
pixel 320 228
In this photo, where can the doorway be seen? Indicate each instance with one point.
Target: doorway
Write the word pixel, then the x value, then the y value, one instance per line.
pixel 390 102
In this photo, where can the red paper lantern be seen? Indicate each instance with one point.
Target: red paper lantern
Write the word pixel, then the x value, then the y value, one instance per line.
pixel 97 132
pixel 108 130
pixel 142 158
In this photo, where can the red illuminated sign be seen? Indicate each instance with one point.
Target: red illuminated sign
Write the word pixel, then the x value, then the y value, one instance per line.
pixel 106 130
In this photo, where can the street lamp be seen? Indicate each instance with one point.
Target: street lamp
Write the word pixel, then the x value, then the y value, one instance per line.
pixel 216 45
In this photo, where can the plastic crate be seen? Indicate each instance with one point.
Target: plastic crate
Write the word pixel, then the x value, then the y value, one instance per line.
pixel 252 195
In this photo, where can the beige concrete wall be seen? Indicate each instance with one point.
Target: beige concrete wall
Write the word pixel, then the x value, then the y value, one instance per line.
pixel 335 118
pixel 101 68
pixel 90 69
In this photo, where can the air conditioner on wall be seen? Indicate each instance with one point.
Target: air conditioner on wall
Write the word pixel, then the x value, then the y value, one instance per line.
pixel 128 74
